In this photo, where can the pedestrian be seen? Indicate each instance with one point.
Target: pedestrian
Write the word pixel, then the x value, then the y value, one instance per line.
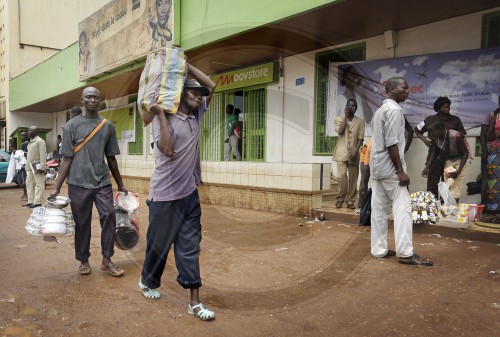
pixel 448 147
pixel 485 151
pixel 351 132
pixel 442 106
pixel 174 205
pixel 492 197
pixel 88 141
pixel 231 141
pixel 35 168
pixel 56 151
pixel 74 112
pixel 389 179
pixel 22 173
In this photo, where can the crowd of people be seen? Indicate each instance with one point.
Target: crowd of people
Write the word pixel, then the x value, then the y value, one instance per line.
pixel 89 146
pixel 382 162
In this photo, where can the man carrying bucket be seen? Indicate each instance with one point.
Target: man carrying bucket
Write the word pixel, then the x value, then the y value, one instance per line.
pixel 87 140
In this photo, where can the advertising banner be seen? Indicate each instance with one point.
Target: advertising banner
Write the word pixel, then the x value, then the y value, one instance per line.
pixel 121 32
pixel 470 79
pixel 124 121
pixel 245 77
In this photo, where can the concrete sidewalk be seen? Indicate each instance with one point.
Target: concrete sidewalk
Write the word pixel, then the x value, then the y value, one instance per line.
pixel 264 274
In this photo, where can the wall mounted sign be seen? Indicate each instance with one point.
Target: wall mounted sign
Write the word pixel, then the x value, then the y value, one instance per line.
pixel 121 32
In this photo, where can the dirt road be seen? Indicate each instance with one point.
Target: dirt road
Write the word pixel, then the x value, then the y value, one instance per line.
pixel 264 274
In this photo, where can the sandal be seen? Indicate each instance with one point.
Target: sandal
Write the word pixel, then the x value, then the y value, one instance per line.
pixel 84 270
pixel 339 204
pixel 415 260
pixel 351 206
pixel 151 294
pixel 389 253
pixel 112 270
pixel 203 314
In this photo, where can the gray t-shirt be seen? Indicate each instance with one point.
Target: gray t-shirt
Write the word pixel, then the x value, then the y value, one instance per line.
pixel 388 129
pixel 177 177
pixel 88 168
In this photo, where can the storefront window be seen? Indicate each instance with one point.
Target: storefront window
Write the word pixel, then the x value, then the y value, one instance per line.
pixel 324 145
pixel 491 30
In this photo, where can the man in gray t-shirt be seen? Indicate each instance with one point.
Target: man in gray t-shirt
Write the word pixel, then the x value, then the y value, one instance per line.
pixel 88 179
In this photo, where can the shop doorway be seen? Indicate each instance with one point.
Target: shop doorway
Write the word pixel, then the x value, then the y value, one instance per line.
pixel 252 122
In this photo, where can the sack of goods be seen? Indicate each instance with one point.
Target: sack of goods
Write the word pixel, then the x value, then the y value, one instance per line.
pixel 161 82
pixel 50 221
pixel 425 208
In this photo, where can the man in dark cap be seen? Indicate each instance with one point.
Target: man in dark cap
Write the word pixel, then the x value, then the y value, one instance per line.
pixel 174 205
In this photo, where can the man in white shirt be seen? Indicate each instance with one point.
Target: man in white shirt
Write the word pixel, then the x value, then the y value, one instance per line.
pixel 389 179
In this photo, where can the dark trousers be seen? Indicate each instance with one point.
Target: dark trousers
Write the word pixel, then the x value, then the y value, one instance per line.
pixel 434 176
pixel 174 222
pixel 82 201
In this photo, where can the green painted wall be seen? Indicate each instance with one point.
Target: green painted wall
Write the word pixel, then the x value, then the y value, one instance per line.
pixel 198 22
pixel 203 22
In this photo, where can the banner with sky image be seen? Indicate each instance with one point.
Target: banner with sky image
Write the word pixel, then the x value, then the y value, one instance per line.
pixel 470 79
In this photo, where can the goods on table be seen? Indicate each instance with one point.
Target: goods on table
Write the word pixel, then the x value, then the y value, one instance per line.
pixel 424 207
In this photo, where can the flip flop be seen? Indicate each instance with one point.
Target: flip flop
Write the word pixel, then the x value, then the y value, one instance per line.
pixel 389 253
pixel 415 260
pixel 84 270
pixel 113 270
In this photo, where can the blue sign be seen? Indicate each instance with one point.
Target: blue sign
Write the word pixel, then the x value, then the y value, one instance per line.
pixel 300 81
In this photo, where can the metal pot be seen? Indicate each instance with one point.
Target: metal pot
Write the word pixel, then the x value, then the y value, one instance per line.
pixel 53 228
pixel 58 202
pixel 55 218
pixel 55 212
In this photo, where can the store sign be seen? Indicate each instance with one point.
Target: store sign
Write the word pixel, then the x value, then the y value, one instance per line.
pixel 246 77
pixel 121 32
pixel 469 78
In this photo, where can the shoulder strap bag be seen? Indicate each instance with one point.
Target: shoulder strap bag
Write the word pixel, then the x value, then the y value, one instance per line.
pixel 85 141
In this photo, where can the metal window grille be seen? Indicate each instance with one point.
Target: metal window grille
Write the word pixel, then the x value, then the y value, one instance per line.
pixel 324 145
pixel 136 147
pixel 490 35
pixel 212 130
pixel 254 125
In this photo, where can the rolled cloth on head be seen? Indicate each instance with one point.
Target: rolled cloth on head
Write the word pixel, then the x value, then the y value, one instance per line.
pixel 161 82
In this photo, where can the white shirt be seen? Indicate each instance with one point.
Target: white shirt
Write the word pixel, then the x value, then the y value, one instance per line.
pixel 388 129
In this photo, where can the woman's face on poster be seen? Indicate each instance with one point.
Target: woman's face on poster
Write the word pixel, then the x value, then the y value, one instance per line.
pixel 162 11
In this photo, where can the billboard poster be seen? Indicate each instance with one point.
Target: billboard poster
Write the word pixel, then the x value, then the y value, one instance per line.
pixel 470 79
pixel 122 31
